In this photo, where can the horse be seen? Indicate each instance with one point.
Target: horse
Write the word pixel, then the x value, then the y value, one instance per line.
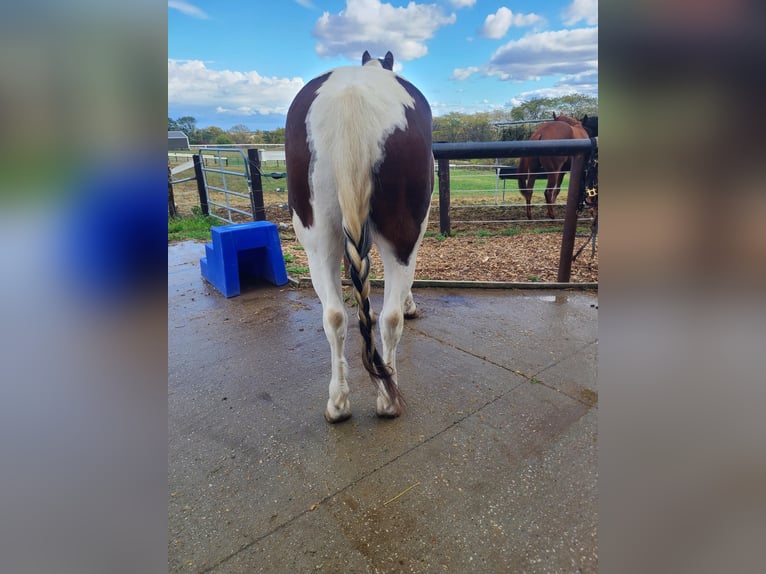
pixel 590 123
pixel 561 128
pixel 360 169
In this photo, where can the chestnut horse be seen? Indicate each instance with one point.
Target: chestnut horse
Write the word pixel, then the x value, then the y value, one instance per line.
pixel 554 167
pixel 360 171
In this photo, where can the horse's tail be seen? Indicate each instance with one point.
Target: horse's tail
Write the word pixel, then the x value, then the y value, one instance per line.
pixel 356 149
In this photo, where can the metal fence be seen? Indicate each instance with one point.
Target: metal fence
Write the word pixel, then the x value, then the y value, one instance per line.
pixel 219 183
pixel 577 148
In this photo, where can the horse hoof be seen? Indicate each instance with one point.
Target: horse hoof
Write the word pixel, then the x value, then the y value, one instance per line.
pixel 386 410
pixel 333 414
pixel 338 419
pixel 414 314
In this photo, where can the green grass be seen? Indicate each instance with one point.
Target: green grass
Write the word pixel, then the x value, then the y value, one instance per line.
pixel 297 270
pixel 197 226
pixel 477 185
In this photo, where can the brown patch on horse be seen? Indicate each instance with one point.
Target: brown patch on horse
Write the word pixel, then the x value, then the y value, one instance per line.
pixel 299 154
pixel 398 204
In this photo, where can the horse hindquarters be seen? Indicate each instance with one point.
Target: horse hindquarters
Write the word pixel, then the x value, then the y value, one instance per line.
pixel 338 126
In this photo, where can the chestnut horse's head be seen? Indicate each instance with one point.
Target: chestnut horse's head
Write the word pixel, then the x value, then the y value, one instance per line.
pixel 590 123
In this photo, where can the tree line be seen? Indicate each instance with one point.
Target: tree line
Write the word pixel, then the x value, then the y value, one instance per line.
pixel 452 127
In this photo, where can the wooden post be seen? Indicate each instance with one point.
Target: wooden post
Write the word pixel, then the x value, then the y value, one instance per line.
pixel 256 194
pixel 171 198
pixel 200 177
pixel 444 220
pixel 570 219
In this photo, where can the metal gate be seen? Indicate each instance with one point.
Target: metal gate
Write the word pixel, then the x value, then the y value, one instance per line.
pixel 223 184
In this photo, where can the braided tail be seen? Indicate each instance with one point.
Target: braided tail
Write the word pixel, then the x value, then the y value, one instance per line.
pixel 358 256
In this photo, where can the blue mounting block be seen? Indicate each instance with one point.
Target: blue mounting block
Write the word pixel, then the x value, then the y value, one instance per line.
pixel 252 249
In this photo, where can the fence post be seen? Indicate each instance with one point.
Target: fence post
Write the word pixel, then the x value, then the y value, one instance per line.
pixel 199 176
pixel 171 198
pixel 256 195
pixel 444 200
pixel 570 218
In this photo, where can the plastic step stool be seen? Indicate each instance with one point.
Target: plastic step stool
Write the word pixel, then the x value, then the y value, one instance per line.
pixel 252 249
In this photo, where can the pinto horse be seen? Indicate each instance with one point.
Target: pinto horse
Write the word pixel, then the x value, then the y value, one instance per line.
pixel 360 170
pixel 561 128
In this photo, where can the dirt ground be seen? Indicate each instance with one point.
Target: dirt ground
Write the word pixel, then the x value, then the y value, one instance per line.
pixel 474 252
pixel 469 255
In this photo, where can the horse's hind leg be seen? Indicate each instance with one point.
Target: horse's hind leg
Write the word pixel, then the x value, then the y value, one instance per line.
pixel 527 187
pixel 551 192
pixel 554 187
pixel 324 248
pixel 397 303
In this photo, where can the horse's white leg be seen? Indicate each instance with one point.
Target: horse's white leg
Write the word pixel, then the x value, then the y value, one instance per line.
pixel 324 247
pixel 397 302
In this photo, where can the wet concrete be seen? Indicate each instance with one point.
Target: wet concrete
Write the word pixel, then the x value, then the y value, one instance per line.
pixel 497 448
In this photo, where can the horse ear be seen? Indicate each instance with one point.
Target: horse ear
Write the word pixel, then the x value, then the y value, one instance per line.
pixel 584 118
pixel 366 57
pixel 388 61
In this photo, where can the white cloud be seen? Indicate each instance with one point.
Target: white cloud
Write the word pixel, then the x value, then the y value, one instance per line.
pixel 188 9
pixel 464 73
pixel 584 82
pixel 462 3
pixel 496 25
pixel 378 27
pixel 191 83
pixel 305 3
pixel 564 52
pixel 578 10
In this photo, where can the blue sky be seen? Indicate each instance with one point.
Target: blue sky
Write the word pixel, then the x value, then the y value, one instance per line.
pixel 242 62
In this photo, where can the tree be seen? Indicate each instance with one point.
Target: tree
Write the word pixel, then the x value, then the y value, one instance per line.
pixel 573 105
pixel 240 134
pixel 207 135
pixel 186 124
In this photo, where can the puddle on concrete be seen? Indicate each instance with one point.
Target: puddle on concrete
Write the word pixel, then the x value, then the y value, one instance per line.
pixel 557 299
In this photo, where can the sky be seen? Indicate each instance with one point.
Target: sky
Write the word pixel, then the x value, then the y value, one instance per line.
pixel 242 62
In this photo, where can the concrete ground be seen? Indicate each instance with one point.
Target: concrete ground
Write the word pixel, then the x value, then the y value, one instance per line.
pixel 493 467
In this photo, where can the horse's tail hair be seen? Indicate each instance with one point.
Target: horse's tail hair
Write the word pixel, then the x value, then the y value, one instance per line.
pixel 355 151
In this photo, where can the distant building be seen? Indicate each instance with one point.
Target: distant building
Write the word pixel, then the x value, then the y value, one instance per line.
pixel 177 140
